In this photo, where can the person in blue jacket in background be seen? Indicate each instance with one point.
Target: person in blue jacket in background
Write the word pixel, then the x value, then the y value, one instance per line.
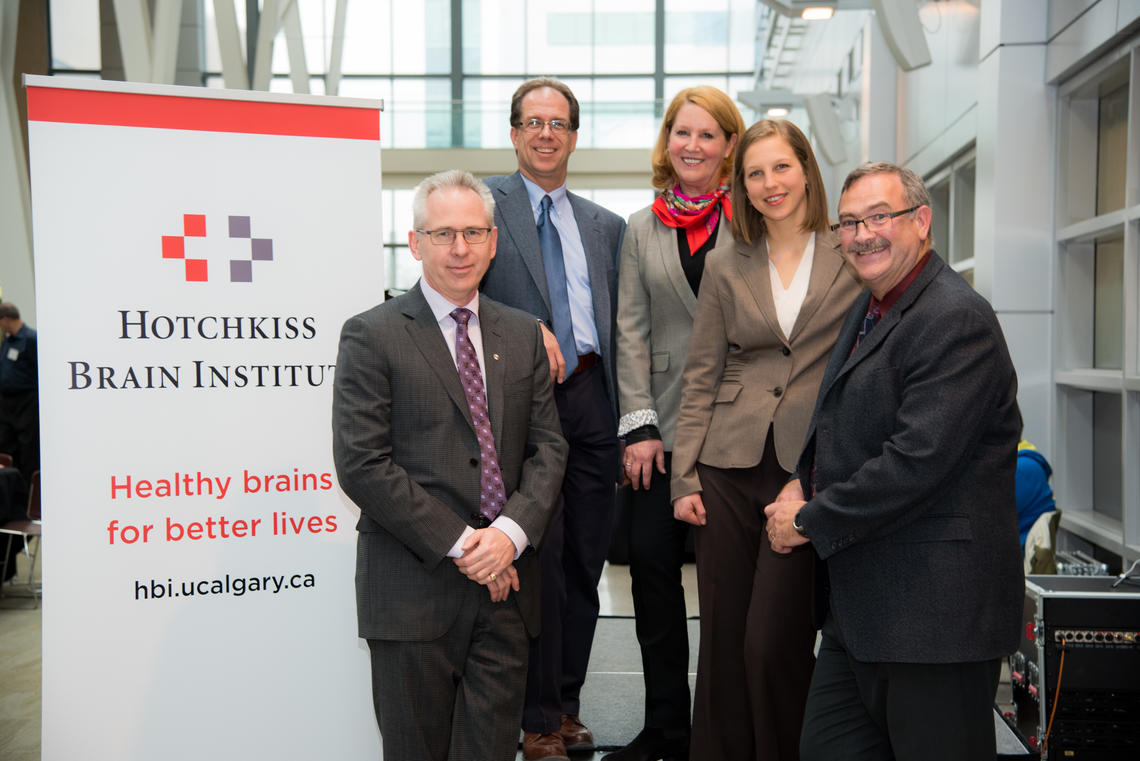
pixel 1034 495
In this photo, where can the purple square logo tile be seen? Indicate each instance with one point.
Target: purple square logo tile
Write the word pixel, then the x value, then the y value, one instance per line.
pixel 262 249
pixel 241 271
pixel 197 269
pixel 239 227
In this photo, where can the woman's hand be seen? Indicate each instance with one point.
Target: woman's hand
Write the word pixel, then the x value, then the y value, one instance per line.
pixel 690 509
pixel 640 459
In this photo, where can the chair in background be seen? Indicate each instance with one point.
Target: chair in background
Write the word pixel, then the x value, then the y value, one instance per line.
pixel 29 528
pixel 1041 544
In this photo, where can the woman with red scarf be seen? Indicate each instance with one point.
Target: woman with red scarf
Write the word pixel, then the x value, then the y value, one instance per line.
pixel 662 261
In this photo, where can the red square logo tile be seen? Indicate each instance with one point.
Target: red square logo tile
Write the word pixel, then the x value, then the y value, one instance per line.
pixel 194 225
pixel 196 270
pixel 173 247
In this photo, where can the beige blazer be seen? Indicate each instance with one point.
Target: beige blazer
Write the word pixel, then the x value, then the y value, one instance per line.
pixel 654 319
pixel 742 373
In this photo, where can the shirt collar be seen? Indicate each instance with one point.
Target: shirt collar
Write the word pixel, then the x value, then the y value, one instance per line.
pixel 440 306
pixel 535 193
pixel 895 293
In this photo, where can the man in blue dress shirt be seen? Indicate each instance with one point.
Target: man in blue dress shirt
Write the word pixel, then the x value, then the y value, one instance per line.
pixel 557 260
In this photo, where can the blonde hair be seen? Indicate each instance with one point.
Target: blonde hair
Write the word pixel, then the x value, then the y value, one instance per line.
pixel 719 106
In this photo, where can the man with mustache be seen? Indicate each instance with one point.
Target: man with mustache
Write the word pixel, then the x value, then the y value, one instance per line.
pixel 905 489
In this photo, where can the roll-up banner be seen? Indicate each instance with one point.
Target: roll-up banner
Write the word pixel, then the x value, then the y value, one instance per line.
pixel 196 252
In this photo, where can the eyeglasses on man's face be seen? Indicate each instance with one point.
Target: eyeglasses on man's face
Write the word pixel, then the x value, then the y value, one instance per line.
pixel 445 236
pixel 557 126
pixel 847 228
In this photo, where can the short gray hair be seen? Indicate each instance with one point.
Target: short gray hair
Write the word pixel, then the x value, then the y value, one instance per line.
pixel 450 178
pixel 914 189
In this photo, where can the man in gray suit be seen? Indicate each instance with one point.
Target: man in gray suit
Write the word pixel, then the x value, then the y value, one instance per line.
pixel 908 470
pixel 455 479
pixel 558 261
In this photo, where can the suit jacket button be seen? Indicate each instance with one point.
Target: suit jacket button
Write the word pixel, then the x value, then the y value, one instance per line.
pixel 778 391
pixel 785 350
pixel 474 462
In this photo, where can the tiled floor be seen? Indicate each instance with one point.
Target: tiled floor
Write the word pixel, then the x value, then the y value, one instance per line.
pixel 617 600
pixel 20 629
pixel 20 634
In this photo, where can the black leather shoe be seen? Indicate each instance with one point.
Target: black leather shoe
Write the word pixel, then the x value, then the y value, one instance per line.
pixel 653 745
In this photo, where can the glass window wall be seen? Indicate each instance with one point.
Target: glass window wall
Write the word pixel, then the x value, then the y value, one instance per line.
pixel 609 53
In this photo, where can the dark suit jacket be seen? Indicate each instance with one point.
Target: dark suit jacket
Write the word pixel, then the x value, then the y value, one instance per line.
pixel 517 276
pixel 743 374
pixel 914 444
pixel 406 454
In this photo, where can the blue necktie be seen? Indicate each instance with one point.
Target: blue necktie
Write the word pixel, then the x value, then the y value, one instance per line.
pixel 492 495
pixel 556 284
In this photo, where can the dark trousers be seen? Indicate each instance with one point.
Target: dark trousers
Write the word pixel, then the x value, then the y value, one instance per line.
pixel 897 711
pixel 455 698
pixel 20 430
pixel 573 551
pixel 656 554
pixel 757 636
pixel 13 507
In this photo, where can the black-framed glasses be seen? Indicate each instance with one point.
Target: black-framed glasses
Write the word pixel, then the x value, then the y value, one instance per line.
pixel 445 236
pixel 874 222
pixel 557 126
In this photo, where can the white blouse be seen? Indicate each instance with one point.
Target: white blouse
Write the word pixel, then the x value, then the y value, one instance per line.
pixel 789 300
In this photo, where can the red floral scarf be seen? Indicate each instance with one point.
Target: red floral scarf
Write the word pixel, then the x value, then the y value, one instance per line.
pixel 695 214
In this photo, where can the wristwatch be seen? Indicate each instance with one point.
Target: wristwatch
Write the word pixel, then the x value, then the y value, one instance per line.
pixel 797 526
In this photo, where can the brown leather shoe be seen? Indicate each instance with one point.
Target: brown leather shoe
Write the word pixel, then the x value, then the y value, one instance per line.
pixel 575 735
pixel 538 747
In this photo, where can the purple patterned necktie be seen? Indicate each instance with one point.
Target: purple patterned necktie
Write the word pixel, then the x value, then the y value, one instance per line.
pixel 869 321
pixel 492 494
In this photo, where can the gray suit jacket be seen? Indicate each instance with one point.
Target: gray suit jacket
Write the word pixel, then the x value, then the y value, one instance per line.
pixel 914 449
pixel 654 320
pixel 517 276
pixel 743 374
pixel 406 454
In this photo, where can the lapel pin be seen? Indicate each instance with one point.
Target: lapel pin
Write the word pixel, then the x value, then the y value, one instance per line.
pixel 496 356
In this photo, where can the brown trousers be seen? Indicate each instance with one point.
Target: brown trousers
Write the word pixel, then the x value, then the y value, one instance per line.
pixel 757 639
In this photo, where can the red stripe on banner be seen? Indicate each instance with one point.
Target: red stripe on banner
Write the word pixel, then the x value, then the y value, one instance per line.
pixel 50 104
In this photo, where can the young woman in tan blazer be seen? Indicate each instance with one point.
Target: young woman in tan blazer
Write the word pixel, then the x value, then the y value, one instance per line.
pixel 770 307
pixel 662 259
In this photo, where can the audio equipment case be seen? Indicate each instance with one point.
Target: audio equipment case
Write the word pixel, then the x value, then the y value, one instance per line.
pixel 1078 668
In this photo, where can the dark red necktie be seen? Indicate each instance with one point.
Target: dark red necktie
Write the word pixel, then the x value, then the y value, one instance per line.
pixel 492 494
